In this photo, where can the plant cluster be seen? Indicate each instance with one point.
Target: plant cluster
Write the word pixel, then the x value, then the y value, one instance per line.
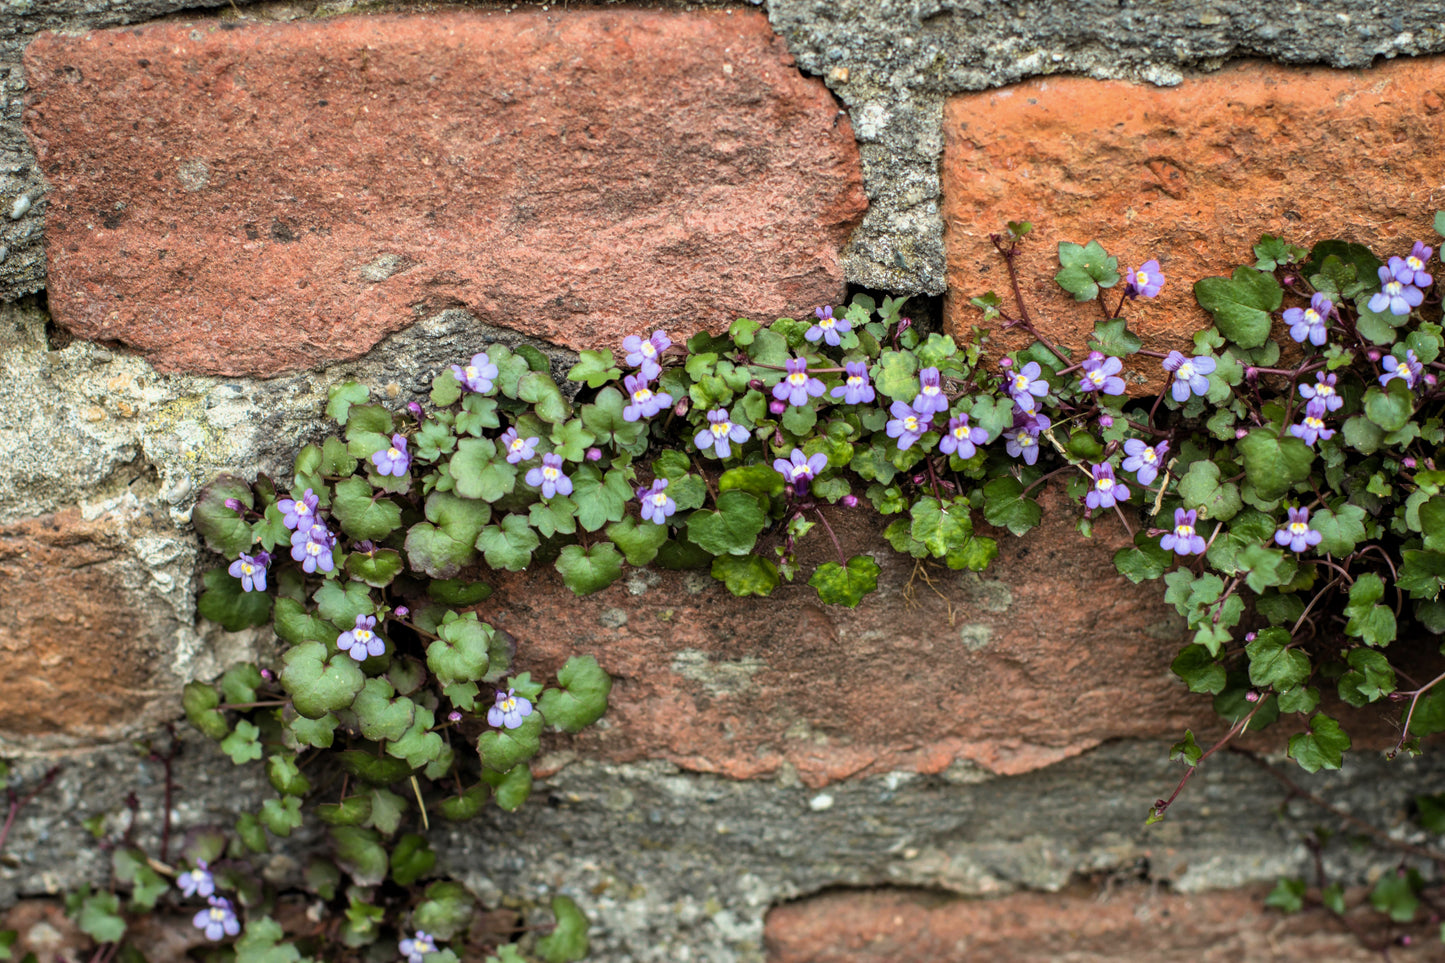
pixel 1290 495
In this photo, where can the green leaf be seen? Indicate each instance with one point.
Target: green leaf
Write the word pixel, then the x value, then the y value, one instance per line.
pixel 503 749
pixel 1146 560
pixel 147 885
pixel 1301 699
pixel 376 568
pixel 837 585
pixel 243 744
pixel 319 684
pixel 465 806
pixel 1274 465
pixel 588 570
pixel 897 375
pixel 360 852
pixel 362 514
pixel 1201 489
pixel 1370 678
pixel 542 393
pixel 411 859
pixel 1342 530
pixel 746 574
pixel 1440 223
pixel 1358 256
pixel 1114 338
pixel 940 528
pixel 341 397
pixel 479 473
pixel 596 368
pixel 316 733
pixel 1287 896
pixel 286 776
pixel 377 770
pixel 1432 523
pixel 1186 751
pixel 282 815
pixel 387 809
pixel 1199 670
pixel 419 746
pixel 1323 747
pixel 294 624
pixel 1271 663
pixel 600 498
pixel 224 602
pixel 380 713
pixel 100 918
pixel 568 941
pixel 199 701
pixel 445 910
pixel 638 540
pixel 341 602
pixel 761 480
pixel 1274 252
pixel 462 653
pixel 459 592
pixel 732 529
pixel 510 545
pixel 1005 505
pixel 1396 895
pixel 582 699
pixel 1390 407
pixel 225 530
pixel 1085 269
pixel 1241 305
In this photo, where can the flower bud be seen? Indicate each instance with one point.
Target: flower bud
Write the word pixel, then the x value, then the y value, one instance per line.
pixel 1405 939
pixel 918 479
pixel 680 409
pixel 904 324
pixel 267 675
pixel 1373 354
pixel 454 716
pixel 777 407
pixel 1251 696
pixel 757 384
pixel 1408 462
pixel 1430 379
pixel 594 454
pixel 234 504
pixel 401 611
pixel 1249 636
pixel 1251 374
pixel 415 410
pixel 777 439
pixel 1241 433
pixel 1106 421
pixel 1005 362
pixel 850 501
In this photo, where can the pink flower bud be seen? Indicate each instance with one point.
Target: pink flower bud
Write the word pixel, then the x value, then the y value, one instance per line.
pixel 1373 354
pixel 1251 374
pixel 401 611
pixel 454 716
pixel 1251 696
pixel 1106 421
pixel 918 479
pixel 267 675
pixel 234 504
pixel 1405 939
pixel 1241 433
pixel 850 501
pixel 680 409
pixel 1430 379
pixel 757 384
pixel 1005 362
pixel 594 454
pixel 1408 462
pixel 777 407
pixel 415 410
pixel 1249 636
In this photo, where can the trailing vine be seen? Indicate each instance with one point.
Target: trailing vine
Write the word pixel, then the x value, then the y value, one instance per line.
pixel 1290 495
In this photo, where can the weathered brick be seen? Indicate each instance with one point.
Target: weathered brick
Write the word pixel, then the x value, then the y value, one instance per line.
pixel 1132 924
pixel 271 197
pixel 84 652
pixel 1192 175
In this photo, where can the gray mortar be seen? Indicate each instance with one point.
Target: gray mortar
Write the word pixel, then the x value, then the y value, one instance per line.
pixel 890 62
pixel 674 866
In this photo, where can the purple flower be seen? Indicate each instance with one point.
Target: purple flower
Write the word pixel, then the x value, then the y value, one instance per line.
pixel 646 355
pixel 518 449
pixel 393 461
pixel 797 386
pixel 1183 538
pixel 1023 441
pixel 510 710
pixel 1025 385
pixel 418 946
pixel 312 548
pixel 1189 374
pixel 1313 424
pixel 828 327
pixel 1419 257
pixel 930 399
pixel 960 439
pixel 218 921
pixel 197 881
pixel 251 570
pixel 1101 374
pixel 1297 533
pixel 360 641
pixel 1309 323
pixel 721 429
pixel 645 401
pixel 549 477
pixel 800 470
pixel 1144 460
pixel 1396 294
pixel 1410 369
pixel 855 388
pixel 656 506
pixel 1107 490
pixel 1323 389
pixel 477 376
pixel 1146 281
pixel 907 425
pixel 300 513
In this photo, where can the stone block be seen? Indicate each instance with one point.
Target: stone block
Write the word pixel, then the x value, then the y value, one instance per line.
pixel 255 199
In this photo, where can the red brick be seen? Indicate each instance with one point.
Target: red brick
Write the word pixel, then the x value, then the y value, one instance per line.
pixel 82 653
pixel 1129 925
pixel 272 197
pixel 1192 175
